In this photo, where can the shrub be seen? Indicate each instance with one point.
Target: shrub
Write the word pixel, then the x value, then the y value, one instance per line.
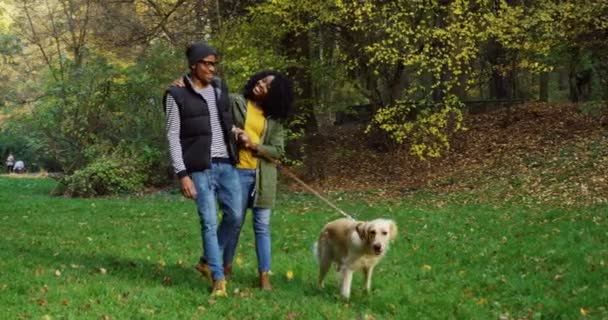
pixel 105 176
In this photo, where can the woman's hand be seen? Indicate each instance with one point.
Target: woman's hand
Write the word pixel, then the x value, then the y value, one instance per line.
pixel 251 146
pixel 178 83
pixel 243 139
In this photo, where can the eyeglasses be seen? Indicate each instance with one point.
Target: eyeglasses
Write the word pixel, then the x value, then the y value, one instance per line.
pixel 208 63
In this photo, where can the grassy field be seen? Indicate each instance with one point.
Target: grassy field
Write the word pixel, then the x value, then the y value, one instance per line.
pixel 133 258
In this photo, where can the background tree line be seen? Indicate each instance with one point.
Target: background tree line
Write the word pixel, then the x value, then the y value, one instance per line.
pixel 82 80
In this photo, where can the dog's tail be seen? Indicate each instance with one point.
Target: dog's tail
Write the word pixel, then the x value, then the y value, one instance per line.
pixel 315 251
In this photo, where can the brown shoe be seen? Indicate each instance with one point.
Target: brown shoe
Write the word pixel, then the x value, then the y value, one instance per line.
pixel 204 269
pixel 227 271
pixel 219 288
pixel 265 281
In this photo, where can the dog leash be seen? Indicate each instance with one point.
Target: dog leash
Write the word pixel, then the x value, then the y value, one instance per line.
pixel 288 172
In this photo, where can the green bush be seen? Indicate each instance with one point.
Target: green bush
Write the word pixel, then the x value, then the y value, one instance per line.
pixel 105 176
pixel 102 124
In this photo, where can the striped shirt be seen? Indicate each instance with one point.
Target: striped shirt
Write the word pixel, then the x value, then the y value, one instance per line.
pixel 173 125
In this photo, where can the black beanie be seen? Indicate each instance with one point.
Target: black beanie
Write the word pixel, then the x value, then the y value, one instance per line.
pixel 198 51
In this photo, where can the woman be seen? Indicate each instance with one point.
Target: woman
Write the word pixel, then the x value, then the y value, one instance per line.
pixel 259 113
pixel 10 162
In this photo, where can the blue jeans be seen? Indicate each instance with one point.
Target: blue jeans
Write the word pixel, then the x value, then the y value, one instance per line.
pixel 261 223
pixel 219 183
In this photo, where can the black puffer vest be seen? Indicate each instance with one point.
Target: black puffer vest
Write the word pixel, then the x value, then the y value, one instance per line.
pixel 195 129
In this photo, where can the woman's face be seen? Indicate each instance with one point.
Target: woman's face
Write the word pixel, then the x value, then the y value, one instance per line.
pixel 262 87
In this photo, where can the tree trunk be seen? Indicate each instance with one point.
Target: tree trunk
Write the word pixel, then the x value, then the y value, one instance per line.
pixel 543 94
pixel 499 84
pixel 297 46
pixel 562 83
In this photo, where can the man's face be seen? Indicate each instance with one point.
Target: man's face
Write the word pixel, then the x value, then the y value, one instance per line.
pixel 204 69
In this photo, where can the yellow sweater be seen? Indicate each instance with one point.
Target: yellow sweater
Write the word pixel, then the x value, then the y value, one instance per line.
pixel 254 126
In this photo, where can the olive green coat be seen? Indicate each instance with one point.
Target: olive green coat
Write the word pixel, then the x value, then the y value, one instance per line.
pixel 272 143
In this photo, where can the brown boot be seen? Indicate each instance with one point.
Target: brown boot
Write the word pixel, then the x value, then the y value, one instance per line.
pixel 219 288
pixel 265 281
pixel 227 271
pixel 204 269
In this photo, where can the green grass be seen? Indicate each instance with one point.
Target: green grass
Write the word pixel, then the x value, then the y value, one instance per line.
pixel 133 258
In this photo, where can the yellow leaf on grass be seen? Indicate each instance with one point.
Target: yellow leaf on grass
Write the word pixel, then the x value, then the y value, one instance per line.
pixel 289 275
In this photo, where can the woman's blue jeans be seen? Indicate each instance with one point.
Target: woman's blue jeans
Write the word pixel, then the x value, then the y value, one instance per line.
pixel 261 223
pixel 219 184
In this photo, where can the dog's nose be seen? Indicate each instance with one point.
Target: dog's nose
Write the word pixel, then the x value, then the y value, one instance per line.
pixel 377 247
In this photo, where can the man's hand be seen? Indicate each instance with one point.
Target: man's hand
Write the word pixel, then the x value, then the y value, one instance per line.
pixel 188 189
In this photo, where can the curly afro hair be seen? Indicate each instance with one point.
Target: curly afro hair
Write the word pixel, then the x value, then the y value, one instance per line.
pixel 277 104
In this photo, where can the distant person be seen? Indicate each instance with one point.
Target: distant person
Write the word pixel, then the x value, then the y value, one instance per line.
pixel 10 163
pixel 19 167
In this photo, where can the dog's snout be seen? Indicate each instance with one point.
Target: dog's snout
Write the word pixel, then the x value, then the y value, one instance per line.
pixel 377 247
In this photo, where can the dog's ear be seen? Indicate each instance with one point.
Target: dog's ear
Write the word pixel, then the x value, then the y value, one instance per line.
pixel 393 230
pixel 361 229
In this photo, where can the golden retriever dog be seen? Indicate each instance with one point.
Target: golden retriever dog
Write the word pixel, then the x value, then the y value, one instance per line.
pixel 353 245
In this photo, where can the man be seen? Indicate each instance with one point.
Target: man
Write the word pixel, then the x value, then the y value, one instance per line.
pixel 203 154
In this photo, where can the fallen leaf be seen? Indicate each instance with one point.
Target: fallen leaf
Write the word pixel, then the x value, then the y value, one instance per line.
pixel 45 289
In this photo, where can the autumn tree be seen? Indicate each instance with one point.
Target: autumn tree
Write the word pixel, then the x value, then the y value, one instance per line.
pixel 99 115
pixel 583 28
pixel 407 57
